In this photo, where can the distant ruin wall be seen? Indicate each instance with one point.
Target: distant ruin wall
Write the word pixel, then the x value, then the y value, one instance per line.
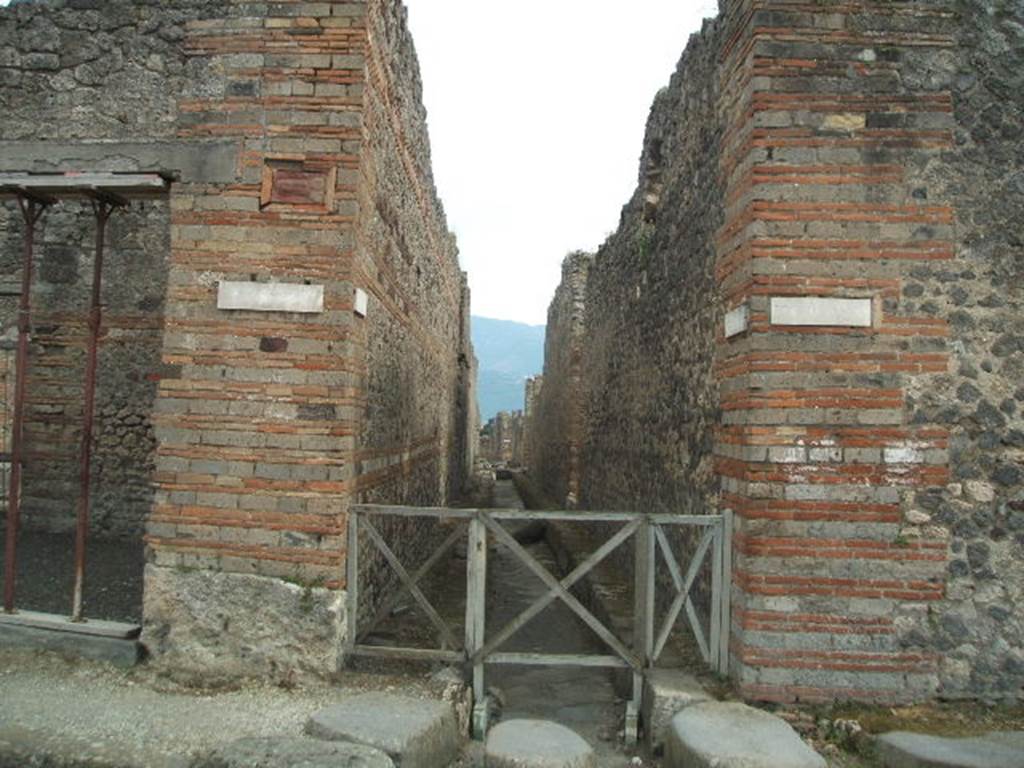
pixel 554 426
pixel 811 315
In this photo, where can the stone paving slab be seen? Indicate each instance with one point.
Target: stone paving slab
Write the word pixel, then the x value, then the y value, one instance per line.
pixel 901 749
pixel 415 733
pixel 536 744
pixel 294 753
pixel 732 735
pixel 668 692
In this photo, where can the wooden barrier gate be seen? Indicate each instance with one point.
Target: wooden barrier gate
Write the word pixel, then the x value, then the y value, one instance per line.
pixel 477 649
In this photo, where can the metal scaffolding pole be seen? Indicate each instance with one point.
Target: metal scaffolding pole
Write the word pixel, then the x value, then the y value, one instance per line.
pixel 103 208
pixel 32 210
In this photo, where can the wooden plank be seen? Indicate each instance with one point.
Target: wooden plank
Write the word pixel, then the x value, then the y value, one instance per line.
pixel 670 558
pixel 643 604
pixel 698 631
pixel 646 554
pixel 476 603
pixel 557 660
pixel 435 619
pixel 352 582
pixel 530 515
pixel 726 611
pixel 698 521
pixel 422 571
pixel 575 605
pixel 682 584
pixel 599 517
pixel 545 600
pixel 716 598
pixel 561 516
pixel 414 654
pixel 395 511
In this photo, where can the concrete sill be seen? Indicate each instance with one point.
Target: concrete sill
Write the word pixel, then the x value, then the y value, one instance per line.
pixel 108 641
pixel 54 623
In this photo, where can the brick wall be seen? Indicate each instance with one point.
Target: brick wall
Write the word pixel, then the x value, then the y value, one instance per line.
pixel 408 260
pixel 417 365
pixel 844 199
pixel 299 146
pixel 817 454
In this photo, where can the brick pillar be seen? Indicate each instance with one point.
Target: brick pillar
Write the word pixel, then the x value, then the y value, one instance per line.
pixel 256 409
pixel 833 125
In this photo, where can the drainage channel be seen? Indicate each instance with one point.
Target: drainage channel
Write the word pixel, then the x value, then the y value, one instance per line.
pixel 582 699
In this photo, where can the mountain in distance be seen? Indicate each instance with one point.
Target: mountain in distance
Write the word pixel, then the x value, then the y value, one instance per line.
pixel 508 353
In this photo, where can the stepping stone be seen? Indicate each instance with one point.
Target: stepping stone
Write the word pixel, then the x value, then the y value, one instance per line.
pixel 668 691
pixel 900 749
pixel 293 753
pixel 536 744
pixel 719 734
pixel 415 733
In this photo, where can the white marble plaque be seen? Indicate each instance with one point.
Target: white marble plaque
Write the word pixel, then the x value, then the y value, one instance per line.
pixel 362 302
pixel 270 297
pixel 817 310
pixel 737 320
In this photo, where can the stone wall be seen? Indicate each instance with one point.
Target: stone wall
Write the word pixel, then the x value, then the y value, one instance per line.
pixel 298 147
pixel 810 316
pixel 979 626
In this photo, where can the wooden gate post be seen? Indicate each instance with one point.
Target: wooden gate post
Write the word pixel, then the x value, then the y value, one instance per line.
pixel 643 620
pixel 352 586
pixel 476 616
pixel 725 596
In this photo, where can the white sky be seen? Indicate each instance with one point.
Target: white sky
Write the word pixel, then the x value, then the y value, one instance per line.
pixel 537 110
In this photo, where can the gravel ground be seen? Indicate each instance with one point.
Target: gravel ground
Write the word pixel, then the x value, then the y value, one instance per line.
pixel 113 575
pixel 85 711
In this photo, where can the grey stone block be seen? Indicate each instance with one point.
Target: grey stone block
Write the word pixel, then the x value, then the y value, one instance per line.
pixel 120 651
pixel 733 735
pixel 415 733
pixel 536 744
pixel 235 624
pixel 193 161
pixel 293 753
pixel 901 749
pixel 668 692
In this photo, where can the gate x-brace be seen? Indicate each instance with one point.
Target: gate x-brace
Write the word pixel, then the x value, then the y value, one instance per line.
pixel 648 532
